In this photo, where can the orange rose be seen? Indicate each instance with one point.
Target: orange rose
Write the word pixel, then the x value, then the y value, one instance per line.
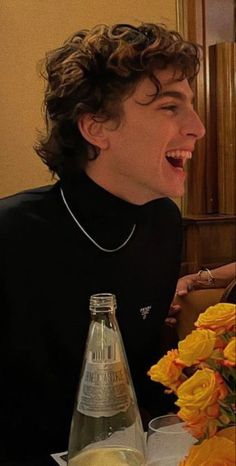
pixel 197 346
pixel 216 451
pixel 200 422
pixel 220 318
pixel 167 371
pixel 196 421
pixel 229 433
pixel 221 386
pixel 230 353
pixel 201 390
pixel 213 410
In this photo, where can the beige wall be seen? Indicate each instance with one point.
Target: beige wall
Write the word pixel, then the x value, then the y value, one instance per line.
pixel 29 28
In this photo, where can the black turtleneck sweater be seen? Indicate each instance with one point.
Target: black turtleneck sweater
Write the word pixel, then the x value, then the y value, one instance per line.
pixel 48 270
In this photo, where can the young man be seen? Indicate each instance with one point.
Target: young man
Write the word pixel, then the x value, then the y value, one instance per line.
pixel 120 129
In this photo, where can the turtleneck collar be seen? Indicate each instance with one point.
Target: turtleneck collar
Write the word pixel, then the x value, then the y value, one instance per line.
pixel 105 217
pixel 88 199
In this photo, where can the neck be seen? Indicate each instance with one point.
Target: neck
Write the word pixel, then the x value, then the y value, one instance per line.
pixel 120 185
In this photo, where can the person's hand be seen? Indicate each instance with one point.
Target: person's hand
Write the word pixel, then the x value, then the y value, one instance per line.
pixel 171 319
pixel 184 285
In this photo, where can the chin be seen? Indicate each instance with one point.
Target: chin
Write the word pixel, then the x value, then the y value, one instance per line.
pixel 178 192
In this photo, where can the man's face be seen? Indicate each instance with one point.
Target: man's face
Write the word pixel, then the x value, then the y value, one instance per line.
pixel 146 154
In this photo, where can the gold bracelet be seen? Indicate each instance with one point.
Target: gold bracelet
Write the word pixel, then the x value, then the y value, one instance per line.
pixel 210 279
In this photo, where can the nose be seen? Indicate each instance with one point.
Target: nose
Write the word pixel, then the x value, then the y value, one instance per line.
pixel 193 126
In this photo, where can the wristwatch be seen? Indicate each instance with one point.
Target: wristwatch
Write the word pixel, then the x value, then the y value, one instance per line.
pixel 205 277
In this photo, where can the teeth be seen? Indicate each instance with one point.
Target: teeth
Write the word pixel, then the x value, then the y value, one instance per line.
pixel 179 154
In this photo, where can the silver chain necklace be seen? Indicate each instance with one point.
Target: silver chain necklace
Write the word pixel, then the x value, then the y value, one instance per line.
pixel 88 236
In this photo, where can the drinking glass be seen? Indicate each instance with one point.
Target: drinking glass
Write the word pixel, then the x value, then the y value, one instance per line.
pixel 167 441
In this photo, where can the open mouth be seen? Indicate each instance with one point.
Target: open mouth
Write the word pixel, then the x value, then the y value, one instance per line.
pixel 177 163
pixel 178 158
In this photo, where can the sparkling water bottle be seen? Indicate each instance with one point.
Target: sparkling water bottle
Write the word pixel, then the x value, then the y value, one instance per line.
pixel 106 428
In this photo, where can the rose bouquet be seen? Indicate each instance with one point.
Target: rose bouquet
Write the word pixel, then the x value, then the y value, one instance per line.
pixel 202 374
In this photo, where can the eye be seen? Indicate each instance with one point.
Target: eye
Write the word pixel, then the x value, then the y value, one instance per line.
pixel 172 108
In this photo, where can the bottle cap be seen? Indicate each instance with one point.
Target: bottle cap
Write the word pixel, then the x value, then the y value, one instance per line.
pixel 102 302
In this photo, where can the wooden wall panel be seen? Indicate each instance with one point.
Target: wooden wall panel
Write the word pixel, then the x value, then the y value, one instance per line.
pixel 207 23
pixel 209 241
pixel 209 222
pixel 226 125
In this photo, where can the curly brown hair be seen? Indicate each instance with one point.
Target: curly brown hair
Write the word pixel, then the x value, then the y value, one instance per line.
pixel 92 72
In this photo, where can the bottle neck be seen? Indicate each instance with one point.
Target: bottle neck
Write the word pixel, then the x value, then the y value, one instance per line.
pixel 102 304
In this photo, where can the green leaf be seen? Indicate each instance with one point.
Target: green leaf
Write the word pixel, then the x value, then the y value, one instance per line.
pixel 230 399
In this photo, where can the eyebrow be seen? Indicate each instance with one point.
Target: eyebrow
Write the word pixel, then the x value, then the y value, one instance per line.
pixel 175 94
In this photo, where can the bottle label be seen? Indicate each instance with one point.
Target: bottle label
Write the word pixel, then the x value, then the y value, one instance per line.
pixel 104 389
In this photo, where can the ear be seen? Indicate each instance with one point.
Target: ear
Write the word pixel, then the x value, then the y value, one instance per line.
pixel 93 131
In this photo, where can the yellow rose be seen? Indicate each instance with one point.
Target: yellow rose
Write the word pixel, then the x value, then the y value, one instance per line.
pixel 201 390
pixel 166 371
pixel 216 451
pixel 230 352
pixel 197 346
pixel 220 318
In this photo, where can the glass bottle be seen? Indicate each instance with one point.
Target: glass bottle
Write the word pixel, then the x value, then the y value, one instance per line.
pixel 106 427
